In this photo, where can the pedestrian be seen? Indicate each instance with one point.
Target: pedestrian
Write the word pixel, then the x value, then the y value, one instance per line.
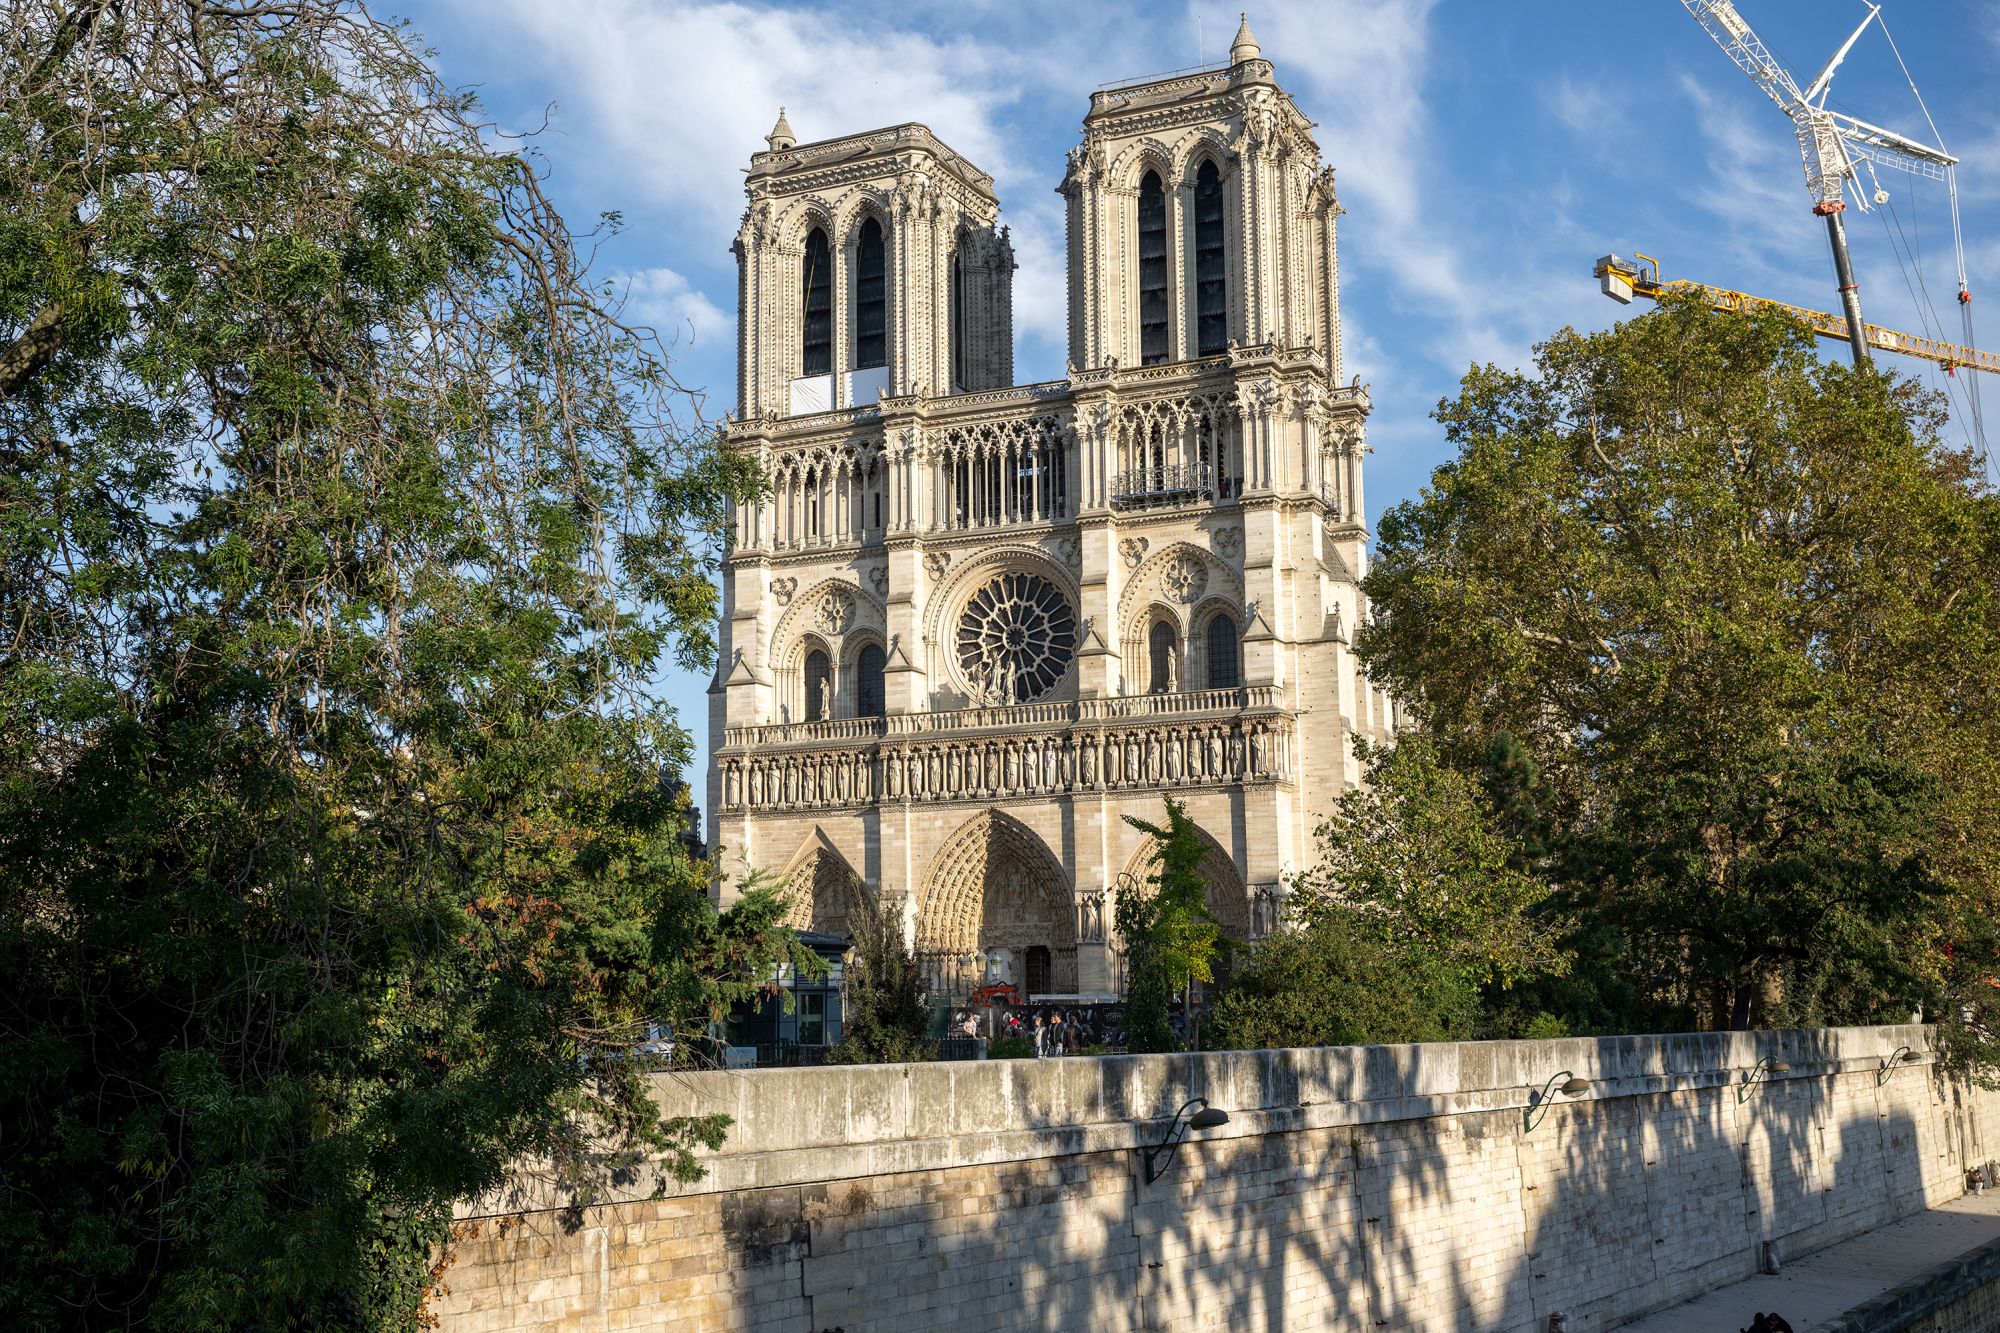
pixel 1041 1037
pixel 970 1027
pixel 1056 1032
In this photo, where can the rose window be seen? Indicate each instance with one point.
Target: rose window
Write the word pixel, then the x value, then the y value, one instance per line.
pixel 1016 638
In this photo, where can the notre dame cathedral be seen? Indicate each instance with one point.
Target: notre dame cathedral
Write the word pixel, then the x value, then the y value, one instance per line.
pixel 975 623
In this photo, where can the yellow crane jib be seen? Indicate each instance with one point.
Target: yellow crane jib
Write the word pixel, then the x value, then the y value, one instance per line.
pixel 1623 280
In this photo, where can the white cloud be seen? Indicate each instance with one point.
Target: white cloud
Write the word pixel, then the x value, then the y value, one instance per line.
pixel 681 315
pixel 1588 110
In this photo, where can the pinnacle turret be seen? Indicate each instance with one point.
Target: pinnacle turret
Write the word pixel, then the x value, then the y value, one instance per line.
pixel 1245 46
pixel 781 137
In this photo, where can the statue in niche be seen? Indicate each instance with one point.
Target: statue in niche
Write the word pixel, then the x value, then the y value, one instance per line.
pixel 1090 917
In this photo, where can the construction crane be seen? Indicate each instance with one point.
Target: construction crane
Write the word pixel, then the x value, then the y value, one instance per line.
pixel 1830 142
pixel 1624 279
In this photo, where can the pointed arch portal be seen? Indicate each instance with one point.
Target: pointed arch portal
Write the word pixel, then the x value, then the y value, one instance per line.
pixel 995 888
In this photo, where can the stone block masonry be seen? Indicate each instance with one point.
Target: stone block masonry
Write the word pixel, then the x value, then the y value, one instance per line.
pixel 1359 1188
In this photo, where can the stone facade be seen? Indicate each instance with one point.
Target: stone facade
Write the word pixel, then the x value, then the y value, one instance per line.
pixel 974 624
pixel 1423 1188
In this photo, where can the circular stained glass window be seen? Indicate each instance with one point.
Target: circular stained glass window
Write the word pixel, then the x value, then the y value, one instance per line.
pixel 1016 637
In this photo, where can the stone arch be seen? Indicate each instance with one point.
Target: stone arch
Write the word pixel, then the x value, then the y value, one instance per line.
pixel 855 611
pixel 798 220
pixel 1131 166
pixel 820 887
pixel 1227 895
pixel 858 208
pixel 1205 144
pixel 1174 583
pixel 995 886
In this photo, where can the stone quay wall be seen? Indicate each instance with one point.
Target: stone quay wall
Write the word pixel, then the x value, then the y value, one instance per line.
pixel 1427 1187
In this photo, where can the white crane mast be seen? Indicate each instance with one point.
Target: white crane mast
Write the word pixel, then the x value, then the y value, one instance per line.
pixel 1829 141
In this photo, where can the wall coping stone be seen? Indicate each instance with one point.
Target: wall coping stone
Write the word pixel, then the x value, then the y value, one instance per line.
pixel 840 1122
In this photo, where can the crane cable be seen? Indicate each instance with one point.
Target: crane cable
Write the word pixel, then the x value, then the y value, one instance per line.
pixel 1957 243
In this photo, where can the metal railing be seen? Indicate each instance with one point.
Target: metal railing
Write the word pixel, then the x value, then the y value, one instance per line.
pixel 1176 484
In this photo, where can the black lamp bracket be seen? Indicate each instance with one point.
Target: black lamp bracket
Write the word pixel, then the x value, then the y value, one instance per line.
pixel 1162 1152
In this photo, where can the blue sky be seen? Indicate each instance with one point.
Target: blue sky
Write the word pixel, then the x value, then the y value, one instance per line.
pixel 1486 153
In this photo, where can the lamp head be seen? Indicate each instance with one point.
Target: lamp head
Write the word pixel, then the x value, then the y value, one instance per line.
pixel 1576 1087
pixel 1209 1117
pixel 1779 1067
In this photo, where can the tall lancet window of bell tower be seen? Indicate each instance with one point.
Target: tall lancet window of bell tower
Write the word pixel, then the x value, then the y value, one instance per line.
pixel 816 346
pixel 961 325
pixel 871 298
pixel 1152 271
pixel 1211 285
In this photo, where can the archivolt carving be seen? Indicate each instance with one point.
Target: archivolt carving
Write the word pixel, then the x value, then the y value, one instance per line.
pixel 995 885
pixel 1225 894
pixel 1198 146
pixel 1176 575
pixel 856 209
pixel 1131 166
pixel 832 607
pixel 799 220
pixel 821 888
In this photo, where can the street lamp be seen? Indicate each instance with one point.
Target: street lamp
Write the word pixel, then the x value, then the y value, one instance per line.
pixel 1208 1117
pixel 1539 1107
pixel 1769 1068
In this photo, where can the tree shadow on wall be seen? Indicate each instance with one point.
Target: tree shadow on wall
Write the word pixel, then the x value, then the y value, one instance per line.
pixel 1467 1222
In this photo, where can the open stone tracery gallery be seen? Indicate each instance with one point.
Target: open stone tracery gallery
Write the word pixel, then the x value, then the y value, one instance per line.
pixel 976 623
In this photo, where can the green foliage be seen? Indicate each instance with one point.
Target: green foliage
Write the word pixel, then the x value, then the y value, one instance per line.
pixel 1713 619
pixel 1171 937
pixel 341 526
pixel 1421 852
pixel 884 1016
pixel 1338 979
pixel 1013 1048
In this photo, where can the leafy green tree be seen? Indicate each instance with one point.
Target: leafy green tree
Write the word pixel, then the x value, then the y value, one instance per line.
pixel 1339 979
pixel 1420 851
pixel 1172 939
pixel 883 1010
pixel 1732 607
pixel 342 522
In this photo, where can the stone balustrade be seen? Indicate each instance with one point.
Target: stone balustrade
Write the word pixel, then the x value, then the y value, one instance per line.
pixel 1012 717
pixel 1091 745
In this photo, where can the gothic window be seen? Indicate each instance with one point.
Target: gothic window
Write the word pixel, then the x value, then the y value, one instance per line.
pixel 1224 672
pixel 1152 271
pixel 1211 286
pixel 960 323
pixel 871 299
pixel 819 681
pixel 1160 658
pixel 818 341
pixel 1016 638
pixel 868 682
